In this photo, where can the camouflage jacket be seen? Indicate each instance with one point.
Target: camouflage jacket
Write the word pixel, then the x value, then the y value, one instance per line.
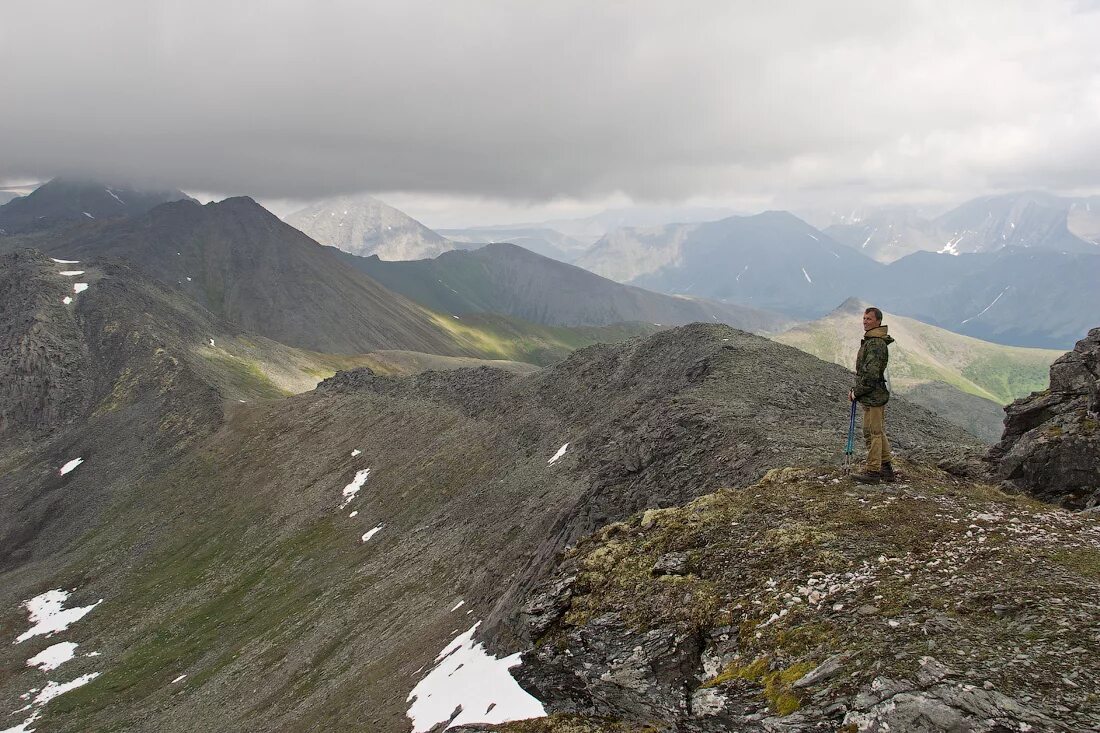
pixel 870 389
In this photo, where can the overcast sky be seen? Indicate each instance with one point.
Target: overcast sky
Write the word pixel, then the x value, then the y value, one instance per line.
pixel 465 111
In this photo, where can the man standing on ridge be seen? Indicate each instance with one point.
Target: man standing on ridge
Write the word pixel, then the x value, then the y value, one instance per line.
pixel 871 392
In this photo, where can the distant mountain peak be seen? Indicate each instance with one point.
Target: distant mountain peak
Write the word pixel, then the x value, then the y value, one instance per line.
pixel 362 225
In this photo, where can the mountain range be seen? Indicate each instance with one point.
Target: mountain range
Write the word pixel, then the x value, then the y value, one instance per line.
pixel 656 532
pixel 1025 296
pixel 245 265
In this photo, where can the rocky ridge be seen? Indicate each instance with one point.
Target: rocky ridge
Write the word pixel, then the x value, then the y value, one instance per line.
pixel 807 603
pixel 1051 443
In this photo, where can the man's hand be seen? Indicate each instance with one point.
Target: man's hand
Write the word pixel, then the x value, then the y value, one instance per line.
pixel 851 395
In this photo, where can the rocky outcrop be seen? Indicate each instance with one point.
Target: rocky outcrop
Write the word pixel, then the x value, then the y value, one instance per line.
pixel 1051 443
pixel 805 603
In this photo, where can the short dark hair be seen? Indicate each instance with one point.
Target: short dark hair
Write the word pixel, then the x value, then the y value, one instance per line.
pixel 876 311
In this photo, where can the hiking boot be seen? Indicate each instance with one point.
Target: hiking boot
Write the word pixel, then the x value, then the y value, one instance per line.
pixel 868 477
pixel 888 475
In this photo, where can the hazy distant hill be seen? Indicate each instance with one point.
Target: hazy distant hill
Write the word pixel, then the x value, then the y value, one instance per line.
pixel 887 233
pixel 363 225
pixel 62 201
pixel 507 279
pixel 1029 219
pixel 546 242
pixel 589 229
pixel 772 260
pixel 923 355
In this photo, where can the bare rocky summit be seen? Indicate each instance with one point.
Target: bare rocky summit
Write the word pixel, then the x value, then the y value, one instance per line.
pixel 807 603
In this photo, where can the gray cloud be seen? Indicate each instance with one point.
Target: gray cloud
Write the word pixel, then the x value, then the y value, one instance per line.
pixel 530 102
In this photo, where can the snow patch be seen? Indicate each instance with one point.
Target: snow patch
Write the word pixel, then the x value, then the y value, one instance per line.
pixel 371 533
pixel 561 452
pixel 70 466
pixel 355 452
pixel 71 273
pixel 48 615
pixel 211 343
pixel 354 513
pixel 53 656
pixel 465 674
pixel 80 287
pixel 458 605
pixel 67 299
pixel 988 306
pixel 353 488
pixel 181 678
pixel 65 262
pixel 88 215
pixel 49 692
pixel 115 197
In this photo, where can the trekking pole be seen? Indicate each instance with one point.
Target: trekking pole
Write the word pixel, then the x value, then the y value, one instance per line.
pixel 850 445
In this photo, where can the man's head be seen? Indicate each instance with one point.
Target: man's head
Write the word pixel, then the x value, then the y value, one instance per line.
pixel 872 318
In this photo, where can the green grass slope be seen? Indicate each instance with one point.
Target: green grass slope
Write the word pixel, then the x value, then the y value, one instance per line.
pixel 923 353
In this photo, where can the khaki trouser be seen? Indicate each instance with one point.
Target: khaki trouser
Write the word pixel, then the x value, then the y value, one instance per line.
pixel 874 432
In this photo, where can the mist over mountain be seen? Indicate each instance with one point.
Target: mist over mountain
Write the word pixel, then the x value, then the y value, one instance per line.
pixel 589 229
pixel 363 225
pixel 62 201
pixel 546 242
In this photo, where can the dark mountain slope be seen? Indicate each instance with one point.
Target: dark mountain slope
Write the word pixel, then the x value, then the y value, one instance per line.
pixel 508 279
pixel 241 561
pixel 62 201
pixel 247 266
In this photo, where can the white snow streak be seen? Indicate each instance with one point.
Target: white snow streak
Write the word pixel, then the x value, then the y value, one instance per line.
pixel 988 306
pixel 65 262
pixel 71 465
pixel 458 605
pixel 465 674
pixel 71 273
pixel 80 287
pixel 88 215
pixel 556 456
pixel 353 488
pixel 371 533
pixel 812 237
pixel 116 198
pixel 807 276
pixel 53 656
pixel 181 678
pixel 48 615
